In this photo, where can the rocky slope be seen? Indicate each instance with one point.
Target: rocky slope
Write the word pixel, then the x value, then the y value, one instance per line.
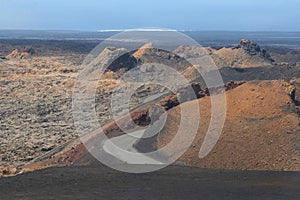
pixel 244 55
pixel 247 54
pixel 21 53
pixel 261 130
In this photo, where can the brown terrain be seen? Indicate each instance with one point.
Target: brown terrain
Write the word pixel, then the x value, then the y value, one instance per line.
pixel 256 157
pixel 261 128
pixel 247 54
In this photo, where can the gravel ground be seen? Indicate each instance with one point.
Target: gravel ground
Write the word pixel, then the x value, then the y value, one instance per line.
pixel 173 182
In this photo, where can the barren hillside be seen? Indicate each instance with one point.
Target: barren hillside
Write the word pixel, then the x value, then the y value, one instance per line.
pixel 261 130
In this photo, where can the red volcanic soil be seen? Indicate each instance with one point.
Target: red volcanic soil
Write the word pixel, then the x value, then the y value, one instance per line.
pixel 261 130
pixel 75 152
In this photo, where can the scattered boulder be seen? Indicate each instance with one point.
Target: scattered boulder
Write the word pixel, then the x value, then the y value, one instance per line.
pixel 233 84
pixel 48 147
pixel 7 170
pixel 295 93
pixel 2 57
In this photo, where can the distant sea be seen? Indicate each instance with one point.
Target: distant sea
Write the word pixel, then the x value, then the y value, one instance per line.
pixel 205 38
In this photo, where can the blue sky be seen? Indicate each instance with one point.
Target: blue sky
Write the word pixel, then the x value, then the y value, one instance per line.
pixel 240 15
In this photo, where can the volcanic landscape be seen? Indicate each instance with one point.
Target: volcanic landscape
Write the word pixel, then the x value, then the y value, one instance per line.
pixel 256 157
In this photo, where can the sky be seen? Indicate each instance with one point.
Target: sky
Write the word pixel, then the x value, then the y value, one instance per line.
pixel 222 15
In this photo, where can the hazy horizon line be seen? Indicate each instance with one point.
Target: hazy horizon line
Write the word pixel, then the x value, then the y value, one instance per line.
pixel 150 29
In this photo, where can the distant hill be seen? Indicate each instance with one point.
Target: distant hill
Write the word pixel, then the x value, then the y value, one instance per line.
pixel 247 54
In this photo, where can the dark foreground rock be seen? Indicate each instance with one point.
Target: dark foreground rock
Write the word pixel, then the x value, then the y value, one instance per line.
pixel 174 182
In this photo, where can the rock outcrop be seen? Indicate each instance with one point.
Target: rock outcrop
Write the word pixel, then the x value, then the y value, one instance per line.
pixel 148 54
pixel 295 93
pixel 124 62
pixel 22 53
pixel 115 61
pixel 247 54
